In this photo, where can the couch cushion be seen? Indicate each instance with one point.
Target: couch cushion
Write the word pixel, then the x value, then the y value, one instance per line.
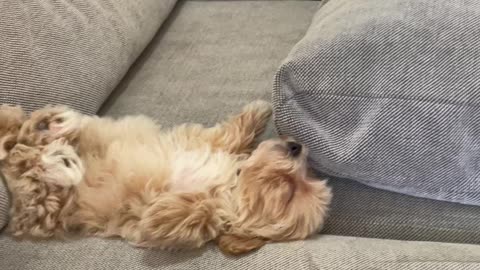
pixel 326 252
pixel 72 52
pixel 360 210
pixel 213 58
pixel 386 93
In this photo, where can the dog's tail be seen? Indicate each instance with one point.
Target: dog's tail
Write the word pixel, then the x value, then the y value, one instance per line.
pixel 179 221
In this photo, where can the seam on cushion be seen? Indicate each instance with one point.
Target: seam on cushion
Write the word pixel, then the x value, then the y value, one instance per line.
pixel 436 102
pixel 286 71
pixel 288 68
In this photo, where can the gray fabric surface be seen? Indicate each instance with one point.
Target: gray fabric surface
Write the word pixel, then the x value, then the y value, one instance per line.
pixel 4 203
pixel 211 58
pixel 359 210
pixel 325 252
pixel 71 52
pixel 386 93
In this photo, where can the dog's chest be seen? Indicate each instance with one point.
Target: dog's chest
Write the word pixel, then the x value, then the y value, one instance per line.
pixel 197 171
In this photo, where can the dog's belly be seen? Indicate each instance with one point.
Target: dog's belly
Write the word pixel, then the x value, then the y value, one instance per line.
pixel 197 171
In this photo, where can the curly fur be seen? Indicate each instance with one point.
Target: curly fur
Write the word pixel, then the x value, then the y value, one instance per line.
pixel 11 120
pixel 177 188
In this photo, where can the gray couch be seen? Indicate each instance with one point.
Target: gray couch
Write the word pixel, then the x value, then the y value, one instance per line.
pixel 207 59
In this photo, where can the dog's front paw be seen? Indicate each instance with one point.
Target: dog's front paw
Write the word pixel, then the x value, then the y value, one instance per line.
pixel 65 123
pixel 49 124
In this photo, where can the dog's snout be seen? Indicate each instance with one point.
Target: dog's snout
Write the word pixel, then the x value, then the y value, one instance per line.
pixel 294 148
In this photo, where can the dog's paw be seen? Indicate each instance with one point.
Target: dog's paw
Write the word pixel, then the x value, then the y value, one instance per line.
pixel 60 121
pixel 49 124
pixel 61 165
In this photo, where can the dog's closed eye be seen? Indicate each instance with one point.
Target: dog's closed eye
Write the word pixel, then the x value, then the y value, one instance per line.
pixel 42 125
pixel 66 162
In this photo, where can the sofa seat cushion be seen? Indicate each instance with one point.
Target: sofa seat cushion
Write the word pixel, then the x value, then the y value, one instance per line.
pixel 72 52
pixel 324 252
pixel 387 93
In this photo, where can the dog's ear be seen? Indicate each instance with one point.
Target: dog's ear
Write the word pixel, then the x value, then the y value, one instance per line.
pixel 233 244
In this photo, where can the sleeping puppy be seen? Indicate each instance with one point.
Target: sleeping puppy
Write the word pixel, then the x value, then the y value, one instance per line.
pixel 172 189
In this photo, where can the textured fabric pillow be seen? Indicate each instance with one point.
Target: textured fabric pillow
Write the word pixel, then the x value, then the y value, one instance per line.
pixel 72 52
pixel 387 93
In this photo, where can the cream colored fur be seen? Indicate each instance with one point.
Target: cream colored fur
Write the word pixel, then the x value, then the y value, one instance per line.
pixel 177 188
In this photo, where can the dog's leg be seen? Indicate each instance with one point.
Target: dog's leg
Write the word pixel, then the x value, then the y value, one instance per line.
pixel 239 244
pixel 179 221
pixel 236 135
pixel 51 123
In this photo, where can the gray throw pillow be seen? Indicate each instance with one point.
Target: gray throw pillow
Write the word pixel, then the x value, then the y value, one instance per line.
pixel 72 52
pixel 388 93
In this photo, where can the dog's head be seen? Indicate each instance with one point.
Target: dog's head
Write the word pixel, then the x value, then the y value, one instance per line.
pixel 11 120
pixel 278 200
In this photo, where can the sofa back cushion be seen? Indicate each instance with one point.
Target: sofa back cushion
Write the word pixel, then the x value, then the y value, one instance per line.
pixel 387 93
pixel 72 52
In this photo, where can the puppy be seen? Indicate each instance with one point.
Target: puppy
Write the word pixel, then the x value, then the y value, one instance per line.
pixel 172 189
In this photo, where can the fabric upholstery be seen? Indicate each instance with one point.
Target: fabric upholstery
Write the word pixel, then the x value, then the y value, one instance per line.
pixel 72 52
pixel 325 252
pixel 386 93
pixel 210 59
pixel 360 210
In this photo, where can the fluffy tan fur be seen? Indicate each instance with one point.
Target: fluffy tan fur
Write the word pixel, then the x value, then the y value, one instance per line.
pixel 11 119
pixel 177 188
pixel 42 191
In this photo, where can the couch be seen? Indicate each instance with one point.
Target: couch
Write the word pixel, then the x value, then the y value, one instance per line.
pixel 198 61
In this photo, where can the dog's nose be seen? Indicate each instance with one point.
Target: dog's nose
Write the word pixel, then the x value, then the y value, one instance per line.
pixel 294 148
